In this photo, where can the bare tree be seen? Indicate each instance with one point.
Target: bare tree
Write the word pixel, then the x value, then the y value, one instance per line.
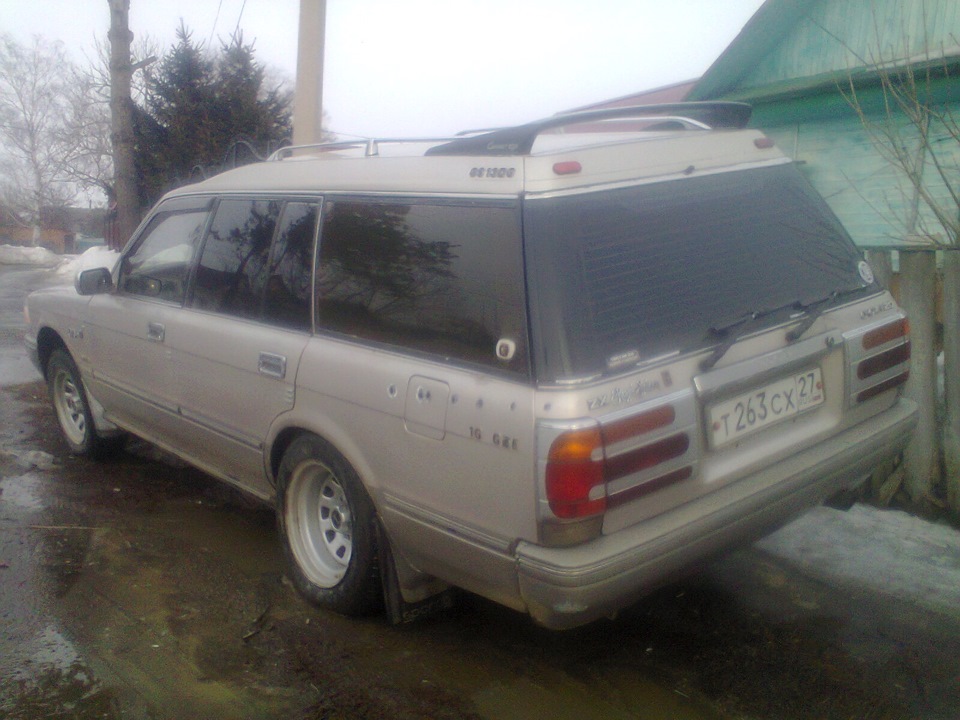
pixel 89 99
pixel 37 143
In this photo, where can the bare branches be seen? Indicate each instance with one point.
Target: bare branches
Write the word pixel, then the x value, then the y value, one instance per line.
pixel 915 130
pixel 38 142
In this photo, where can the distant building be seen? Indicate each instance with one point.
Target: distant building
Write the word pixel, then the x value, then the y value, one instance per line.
pixel 62 230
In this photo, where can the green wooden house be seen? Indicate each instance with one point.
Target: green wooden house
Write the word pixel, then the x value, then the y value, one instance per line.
pixel 794 62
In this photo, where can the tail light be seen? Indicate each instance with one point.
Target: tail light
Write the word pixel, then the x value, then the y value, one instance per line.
pixel 879 359
pixel 575 474
pixel 590 470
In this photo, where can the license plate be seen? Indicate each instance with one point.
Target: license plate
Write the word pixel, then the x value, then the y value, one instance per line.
pixel 738 417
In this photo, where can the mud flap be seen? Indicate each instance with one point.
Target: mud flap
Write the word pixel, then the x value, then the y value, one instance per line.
pixel 399 611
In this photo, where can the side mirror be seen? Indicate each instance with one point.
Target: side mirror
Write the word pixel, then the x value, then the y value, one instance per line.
pixel 94 282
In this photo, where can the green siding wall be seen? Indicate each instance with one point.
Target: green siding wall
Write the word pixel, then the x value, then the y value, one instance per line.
pixel 871 197
pixel 843 35
pixel 793 63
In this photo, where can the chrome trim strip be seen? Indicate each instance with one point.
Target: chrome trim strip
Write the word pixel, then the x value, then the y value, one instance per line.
pixel 756 370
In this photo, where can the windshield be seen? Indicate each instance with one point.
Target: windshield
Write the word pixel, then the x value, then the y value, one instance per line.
pixel 620 277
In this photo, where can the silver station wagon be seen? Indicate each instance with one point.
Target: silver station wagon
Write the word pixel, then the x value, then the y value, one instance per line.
pixel 554 365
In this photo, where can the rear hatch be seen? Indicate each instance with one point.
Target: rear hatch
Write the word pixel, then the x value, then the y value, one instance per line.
pixel 698 330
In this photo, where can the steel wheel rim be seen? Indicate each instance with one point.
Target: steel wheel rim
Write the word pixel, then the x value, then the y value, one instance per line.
pixel 320 523
pixel 70 408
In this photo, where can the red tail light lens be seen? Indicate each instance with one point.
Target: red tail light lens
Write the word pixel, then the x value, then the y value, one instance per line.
pixel 883 361
pixel 575 476
pixel 897 356
pixel 883 387
pixel 651 486
pixel 581 462
pixel 882 335
pixel 639 424
pixel 647 456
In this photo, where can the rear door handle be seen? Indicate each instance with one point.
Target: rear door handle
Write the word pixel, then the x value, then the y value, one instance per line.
pixel 272 365
pixel 155 332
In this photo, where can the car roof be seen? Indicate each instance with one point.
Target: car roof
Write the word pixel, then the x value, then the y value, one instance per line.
pixel 569 152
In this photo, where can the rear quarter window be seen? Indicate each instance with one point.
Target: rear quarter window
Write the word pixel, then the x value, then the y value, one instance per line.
pixel 442 279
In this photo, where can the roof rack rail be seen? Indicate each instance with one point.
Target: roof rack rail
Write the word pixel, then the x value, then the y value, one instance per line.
pixel 370 146
pixel 519 140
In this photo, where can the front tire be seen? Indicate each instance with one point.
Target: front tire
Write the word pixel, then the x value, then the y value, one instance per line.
pixel 69 398
pixel 327 526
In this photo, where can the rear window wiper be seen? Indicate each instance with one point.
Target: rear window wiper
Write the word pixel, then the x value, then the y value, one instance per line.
pixel 732 331
pixel 815 309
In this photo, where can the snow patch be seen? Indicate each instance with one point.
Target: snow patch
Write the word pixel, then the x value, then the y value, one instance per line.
pixel 35 256
pixel 36 459
pixel 66 266
pixel 98 256
pixel 887 551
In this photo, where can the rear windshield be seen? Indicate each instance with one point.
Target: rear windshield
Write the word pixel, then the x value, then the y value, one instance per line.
pixel 621 277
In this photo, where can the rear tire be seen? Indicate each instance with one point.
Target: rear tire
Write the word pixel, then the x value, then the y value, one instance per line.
pixel 328 528
pixel 69 398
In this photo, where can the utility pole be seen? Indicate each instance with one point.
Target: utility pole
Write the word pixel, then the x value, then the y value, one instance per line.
pixel 308 100
pixel 121 124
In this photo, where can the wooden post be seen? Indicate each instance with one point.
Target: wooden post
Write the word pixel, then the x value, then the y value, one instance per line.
pixel 951 374
pixel 918 270
pixel 121 124
pixel 881 261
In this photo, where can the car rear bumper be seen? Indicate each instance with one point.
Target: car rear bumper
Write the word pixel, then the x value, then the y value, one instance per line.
pixel 566 587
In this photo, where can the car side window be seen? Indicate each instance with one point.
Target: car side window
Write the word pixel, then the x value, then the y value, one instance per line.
pixel 232 271
pixel 444 279
pixel 289 283
pixel 158 266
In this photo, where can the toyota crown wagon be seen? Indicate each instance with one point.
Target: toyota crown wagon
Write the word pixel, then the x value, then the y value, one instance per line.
pixel 555 365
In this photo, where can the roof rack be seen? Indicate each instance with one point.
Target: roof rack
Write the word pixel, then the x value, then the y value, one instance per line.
pixel 519 140
pixel 370 146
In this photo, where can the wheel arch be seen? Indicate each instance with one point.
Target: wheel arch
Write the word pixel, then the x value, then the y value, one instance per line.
pixel 279 446
pixel 337 439
pixel 49 340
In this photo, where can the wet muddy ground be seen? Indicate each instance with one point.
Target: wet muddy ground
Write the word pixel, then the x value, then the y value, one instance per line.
pixel 141 588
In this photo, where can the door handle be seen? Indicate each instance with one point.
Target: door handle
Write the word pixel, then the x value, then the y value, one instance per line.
pixel 155 332
pixel 272 365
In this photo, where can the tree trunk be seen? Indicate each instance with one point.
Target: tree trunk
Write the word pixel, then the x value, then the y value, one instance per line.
pixel 918 271
pixel 951 374
pixel 121 131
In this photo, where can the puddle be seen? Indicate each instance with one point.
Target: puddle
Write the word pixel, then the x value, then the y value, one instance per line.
pixel 49 679
pixel 52 650
pixel 567 700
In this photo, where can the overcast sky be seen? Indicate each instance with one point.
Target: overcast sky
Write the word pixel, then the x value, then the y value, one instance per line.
pixel 432 67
